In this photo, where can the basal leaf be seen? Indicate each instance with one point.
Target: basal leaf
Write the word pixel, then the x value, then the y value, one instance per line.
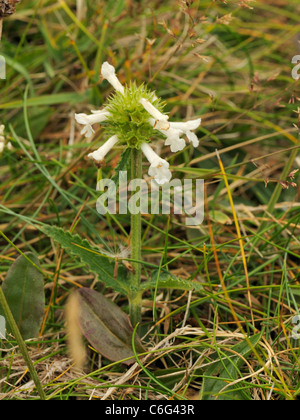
pixel 91 256
pixel 106 327
pixel 23 288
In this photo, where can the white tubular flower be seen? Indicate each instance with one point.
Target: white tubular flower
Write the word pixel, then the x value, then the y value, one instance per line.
pixel 159 168
pixel 109 73
pixel 89 120
pixel 155 113
pixel 173 136
pixel 172 130
pixel 187 128
pixel 192 138
pixel 173 139
pixel 100 154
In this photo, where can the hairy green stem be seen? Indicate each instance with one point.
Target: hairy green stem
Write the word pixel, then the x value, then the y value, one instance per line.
pixel 22 346
pixel 135 297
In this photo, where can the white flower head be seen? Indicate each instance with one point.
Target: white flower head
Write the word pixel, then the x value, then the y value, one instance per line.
pixel 99 155
pixel 159 168
pixel 109 73
pixel 132 116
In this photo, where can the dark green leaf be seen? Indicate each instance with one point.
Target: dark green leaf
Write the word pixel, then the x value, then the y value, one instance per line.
pixel 91 256
pixel 23 288
pixel 123 165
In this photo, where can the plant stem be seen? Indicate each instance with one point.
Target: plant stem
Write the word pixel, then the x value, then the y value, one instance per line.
pixel 135 298
pixel 22 346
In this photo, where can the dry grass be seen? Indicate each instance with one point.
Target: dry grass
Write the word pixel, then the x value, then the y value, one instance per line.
pixel 227 63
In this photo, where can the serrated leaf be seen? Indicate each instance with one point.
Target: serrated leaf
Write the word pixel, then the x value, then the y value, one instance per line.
pixel 106 327
pixel 123 165
pixel 23 288
pixel 102 265
pixel 164 279
pixel 222 372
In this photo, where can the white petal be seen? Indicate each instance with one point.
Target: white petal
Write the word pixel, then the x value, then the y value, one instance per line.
pixel 188 125
pixel 2 145
pixel 160 171
pixel 100 111
pixel 82 119
pixel 176 145
pixel 192 138
pixel 88 120
pixel 173 139
pixel 159 124
pixel 108 72
pixel 159 168
pixel 172 133
pixel 87 131
pixel 149 153
pixel 154 112
pixel 96 117
pixel 100 154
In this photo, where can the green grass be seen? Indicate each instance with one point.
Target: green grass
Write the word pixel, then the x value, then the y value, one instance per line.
pixel 238 79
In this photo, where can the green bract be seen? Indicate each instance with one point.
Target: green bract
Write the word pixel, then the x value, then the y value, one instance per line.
pixel 128 118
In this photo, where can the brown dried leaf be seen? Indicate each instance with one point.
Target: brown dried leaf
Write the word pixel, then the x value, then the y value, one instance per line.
pixel 106 327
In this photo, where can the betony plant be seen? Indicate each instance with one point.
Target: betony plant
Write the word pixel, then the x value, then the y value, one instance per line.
pixel 133 117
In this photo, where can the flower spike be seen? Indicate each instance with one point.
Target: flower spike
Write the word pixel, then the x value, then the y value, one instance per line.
pixel 132 117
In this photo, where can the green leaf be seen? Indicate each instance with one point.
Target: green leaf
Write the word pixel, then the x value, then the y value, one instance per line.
pixel 106 327
pixel 226 370
pixel 123 165
pixel 102 265
pixel 23 288
pixel 220 217
pixel 166 280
